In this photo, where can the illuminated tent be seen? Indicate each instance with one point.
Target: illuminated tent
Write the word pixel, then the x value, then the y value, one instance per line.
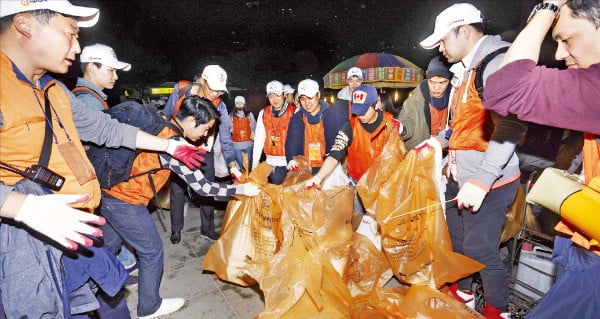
pixel 380 70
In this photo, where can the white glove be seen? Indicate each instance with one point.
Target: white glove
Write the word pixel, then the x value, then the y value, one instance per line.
pixel 248 189
pixel 432 141
pixel 315 181
pixel 292 165
pixel 235 173
pixel 50 215
pixel 471 196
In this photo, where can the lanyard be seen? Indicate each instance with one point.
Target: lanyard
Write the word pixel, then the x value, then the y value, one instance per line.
pixel 48 115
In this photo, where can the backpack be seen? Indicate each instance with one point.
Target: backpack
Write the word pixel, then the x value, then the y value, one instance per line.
pixel 481 68
pixel 113 165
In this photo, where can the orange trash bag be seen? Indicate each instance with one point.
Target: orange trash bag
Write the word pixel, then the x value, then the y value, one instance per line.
pixel 303 280
pixel 411 303
pixel 415 240
pixel 250 231
pixel 367 268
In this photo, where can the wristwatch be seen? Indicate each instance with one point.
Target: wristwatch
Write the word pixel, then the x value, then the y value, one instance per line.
pixel 544 6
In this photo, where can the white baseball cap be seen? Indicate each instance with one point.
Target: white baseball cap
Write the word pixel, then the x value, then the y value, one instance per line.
pixel 308 88
pixel 454 16
pixel 87 17
pixel 103 54
pixel 216 77
pixel 354 71
pixel 275 87
pixel 240 99
pixel 288 88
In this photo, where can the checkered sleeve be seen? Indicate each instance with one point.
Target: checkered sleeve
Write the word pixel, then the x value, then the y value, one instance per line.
pixel 195 179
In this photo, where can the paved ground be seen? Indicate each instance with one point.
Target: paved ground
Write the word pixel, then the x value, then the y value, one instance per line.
pixel 206 297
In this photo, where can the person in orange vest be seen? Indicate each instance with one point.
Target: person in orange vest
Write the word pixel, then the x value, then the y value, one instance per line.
pixel 42 126
pixel 567 99
pixel 243 125
pixel 210 84
pixel 99 65
pixel 271 132
pixel 483 166
pixel 361 139
pixel 124 205
pixel 289 91
pixel 425 112
pixel 313 129
pixel 354 78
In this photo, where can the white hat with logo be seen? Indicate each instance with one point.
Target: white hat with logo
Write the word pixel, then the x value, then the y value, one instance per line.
pixel 240 99
pixel 103 54
pixel 308 88
pixel 274 87
pixel 86 17
pixel 354 71
pixel 288 89
pixel 454 16
pixel 216 77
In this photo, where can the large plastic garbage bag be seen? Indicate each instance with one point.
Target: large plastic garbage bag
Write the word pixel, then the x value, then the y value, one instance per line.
pixel 415 240
pixel 251 231
pixel 367 268
pixel 303 280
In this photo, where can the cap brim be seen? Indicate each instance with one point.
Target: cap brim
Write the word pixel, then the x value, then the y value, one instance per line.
pixel 359 109
pixel 123 66
pixel 86 16
pixel 431 41
pixel 309 94
pixel 218 88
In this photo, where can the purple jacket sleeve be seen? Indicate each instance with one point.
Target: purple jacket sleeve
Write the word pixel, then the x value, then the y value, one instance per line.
pixel 562 98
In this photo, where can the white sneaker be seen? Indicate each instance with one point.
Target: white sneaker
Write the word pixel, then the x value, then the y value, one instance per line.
pixel 167 306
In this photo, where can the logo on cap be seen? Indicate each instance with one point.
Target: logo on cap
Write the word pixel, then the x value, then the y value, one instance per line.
pixel 359 97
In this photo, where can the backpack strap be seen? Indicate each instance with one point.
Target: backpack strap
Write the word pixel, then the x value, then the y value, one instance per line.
pixel 79 90
pixel 480 69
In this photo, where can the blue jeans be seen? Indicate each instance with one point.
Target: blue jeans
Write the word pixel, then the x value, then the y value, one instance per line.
pixel 238 156
pixel 133 224
pixel 477 236
pixel 277 175
pixel 126 257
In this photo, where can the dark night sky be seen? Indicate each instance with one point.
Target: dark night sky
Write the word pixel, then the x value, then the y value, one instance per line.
pixel 257 41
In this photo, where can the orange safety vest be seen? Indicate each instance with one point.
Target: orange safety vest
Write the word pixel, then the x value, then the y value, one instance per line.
pixel 276 129
pixel 242 130
pixel 182 91
pixel 138 190
pixel 366 147
pixel 471 123
pixel 314 142
pixel 438 120
pixel 22 133
pixel 94 93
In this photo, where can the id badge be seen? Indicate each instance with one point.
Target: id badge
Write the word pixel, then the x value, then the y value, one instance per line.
pixel 314 152
pixel 275 141
pixel 77 163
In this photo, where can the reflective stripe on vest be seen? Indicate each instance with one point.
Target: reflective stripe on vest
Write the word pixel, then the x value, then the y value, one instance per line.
pixel 366 147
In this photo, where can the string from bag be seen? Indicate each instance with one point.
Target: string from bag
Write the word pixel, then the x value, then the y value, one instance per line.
pixel 422 208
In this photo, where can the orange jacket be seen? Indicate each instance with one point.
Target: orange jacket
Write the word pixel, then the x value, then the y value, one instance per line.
pixel 367 146
pixel 276 130
pixel 22 133
pixel 138 190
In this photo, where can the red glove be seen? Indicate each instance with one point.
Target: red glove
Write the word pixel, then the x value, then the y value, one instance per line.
pixel 186 153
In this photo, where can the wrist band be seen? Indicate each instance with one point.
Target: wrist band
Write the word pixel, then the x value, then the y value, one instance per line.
pixel 544 6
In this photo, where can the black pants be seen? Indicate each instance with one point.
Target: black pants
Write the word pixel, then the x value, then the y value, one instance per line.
pixel 205 203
